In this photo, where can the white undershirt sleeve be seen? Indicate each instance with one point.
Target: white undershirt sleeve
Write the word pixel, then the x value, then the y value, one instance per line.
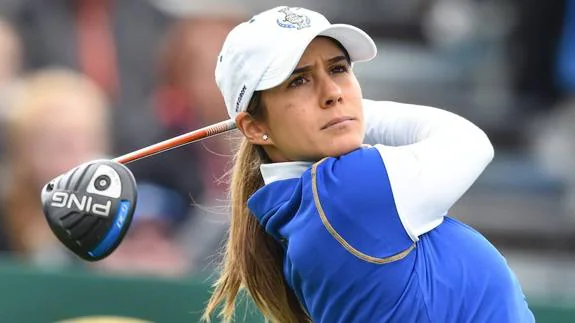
pixel 432 157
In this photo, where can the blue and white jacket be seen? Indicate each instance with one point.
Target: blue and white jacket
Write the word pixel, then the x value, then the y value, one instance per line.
pixel 367 237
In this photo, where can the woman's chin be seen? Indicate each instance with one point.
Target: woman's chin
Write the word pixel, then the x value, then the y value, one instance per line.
pixel 343 146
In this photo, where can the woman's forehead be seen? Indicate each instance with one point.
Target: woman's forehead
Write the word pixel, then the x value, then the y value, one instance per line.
pixel 323 47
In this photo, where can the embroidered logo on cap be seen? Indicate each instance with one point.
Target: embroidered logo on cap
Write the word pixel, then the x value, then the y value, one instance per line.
pixel 293 20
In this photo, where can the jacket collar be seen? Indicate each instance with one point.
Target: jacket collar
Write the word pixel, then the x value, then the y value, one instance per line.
pixel 279 171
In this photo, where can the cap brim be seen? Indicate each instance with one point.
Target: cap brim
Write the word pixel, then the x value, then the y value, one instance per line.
pixel 357 42
pixel 359 45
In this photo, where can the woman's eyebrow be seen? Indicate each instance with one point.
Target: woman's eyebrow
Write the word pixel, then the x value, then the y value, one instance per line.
pixel 336 59
pixel 301 70
pixel 307 68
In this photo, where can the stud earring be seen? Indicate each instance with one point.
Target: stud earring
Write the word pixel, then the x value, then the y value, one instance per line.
pixel 265 137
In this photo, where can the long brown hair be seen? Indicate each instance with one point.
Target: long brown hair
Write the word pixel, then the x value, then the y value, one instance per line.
pixel 253 260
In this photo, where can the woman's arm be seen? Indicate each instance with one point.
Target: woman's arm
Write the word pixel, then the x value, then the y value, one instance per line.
pixel 432 157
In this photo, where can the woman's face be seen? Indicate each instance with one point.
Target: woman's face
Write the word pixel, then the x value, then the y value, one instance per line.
pixel 317 111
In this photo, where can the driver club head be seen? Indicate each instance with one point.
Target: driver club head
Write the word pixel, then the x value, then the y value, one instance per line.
pixel 90 208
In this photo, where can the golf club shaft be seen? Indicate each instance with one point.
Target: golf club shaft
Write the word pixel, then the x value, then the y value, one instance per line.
pixel 184 139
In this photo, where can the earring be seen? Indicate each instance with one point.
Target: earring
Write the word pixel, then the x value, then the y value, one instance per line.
pixel 265 137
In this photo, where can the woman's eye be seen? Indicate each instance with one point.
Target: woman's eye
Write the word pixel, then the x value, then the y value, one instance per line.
pixel 300 80
pixel 339 68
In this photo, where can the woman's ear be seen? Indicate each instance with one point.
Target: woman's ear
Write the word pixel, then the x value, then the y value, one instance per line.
pixel 255 131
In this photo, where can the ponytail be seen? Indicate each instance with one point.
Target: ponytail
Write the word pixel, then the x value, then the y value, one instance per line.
pixel 252 259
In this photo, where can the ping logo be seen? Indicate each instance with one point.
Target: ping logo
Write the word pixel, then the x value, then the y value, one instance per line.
pixel 293 20
pixel 83 203
pixel 240 97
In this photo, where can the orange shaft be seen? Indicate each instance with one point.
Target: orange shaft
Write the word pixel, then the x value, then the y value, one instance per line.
pixel 178 141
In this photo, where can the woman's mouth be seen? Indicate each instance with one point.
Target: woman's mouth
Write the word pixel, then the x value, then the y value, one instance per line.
pixel 336 121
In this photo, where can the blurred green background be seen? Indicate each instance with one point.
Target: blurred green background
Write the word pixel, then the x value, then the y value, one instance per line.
pixel 34 296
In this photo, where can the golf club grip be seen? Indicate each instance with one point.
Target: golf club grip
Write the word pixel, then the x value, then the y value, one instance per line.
pixel 184 139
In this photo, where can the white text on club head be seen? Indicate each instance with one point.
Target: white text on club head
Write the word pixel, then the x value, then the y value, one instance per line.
pixel 83 203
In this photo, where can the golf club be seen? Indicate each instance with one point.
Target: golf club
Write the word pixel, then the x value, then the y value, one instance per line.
pixel 90 207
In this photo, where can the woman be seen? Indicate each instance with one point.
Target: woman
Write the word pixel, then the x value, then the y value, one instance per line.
pixel 339 203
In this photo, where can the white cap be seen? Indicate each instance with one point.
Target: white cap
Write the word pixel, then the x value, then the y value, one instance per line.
pixel 263 52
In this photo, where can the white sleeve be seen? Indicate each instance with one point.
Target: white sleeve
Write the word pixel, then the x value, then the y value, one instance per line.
pixel 432 157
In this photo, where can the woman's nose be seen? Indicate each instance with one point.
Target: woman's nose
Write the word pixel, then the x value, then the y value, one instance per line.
pixel 331 93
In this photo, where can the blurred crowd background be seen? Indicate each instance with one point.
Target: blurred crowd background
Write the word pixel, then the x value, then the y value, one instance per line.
pixel 85 79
